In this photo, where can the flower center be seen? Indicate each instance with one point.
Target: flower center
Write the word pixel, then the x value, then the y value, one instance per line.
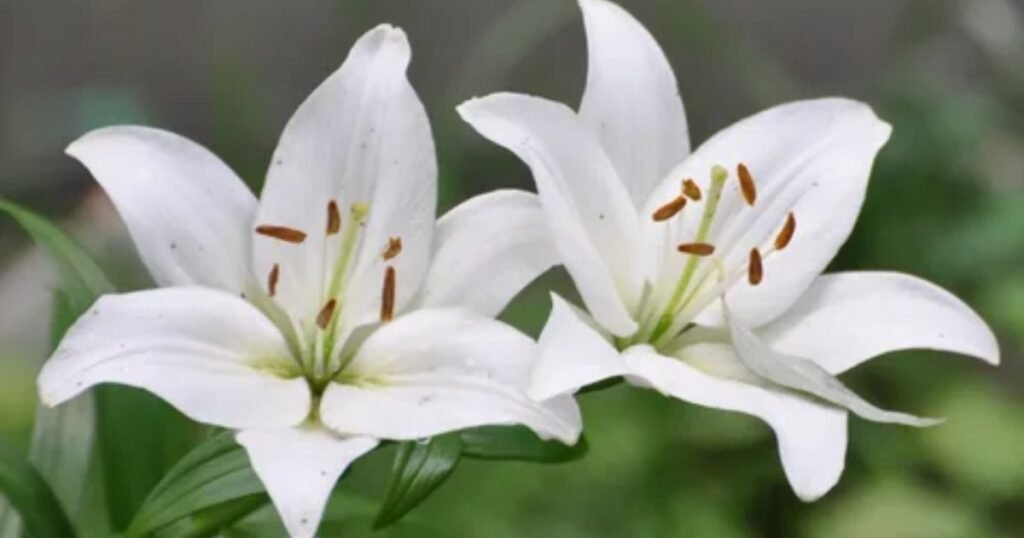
pixel 704 276
pixel 321 349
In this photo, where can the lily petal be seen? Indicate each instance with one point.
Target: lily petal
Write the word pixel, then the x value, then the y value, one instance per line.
pixel 845 319
pixel 805 375
pixel 592 222
pixel 362 137
pixel 210 354
pixel 811 434
pixel 187 212
pixel 436 371
pixel 573 354
pixel 632 101
pixel 811 158
pixel 299 468
pixel 486 251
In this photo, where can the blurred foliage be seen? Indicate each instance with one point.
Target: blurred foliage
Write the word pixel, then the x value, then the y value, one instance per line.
pixel 945 203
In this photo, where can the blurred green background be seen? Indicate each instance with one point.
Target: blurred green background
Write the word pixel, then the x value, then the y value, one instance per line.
pixel 946 202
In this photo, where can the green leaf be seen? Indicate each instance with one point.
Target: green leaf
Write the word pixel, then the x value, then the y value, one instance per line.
pixel 215 520
pixel 347 514
pixel 158 434
pixel 419 468
pixel 82 280
pixel 517 443
pixel 139 439
pixel 30 495
pixel 63 438
pixel 214 473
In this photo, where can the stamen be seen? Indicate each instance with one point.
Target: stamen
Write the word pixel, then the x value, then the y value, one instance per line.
pixel 333 218
pixel 747 184
pixel 786 235
pixel 692 190
pixel 324 317
pixel 719 176
pixel 283 233
pixel 669 210
pixel 697 249
pixel 275 273
pixel 387 296
pixel 394 248
pixel 755 271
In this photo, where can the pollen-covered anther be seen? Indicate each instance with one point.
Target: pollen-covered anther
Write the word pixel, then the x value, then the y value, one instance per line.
pixel 697 249
pixel 393 249
pixel 325 315
pixel 282 233
pixel 786 234
pixel 747 186
pixel 333 218
pixel 755 269
pixel 692 190
pixel 669 210
pixel 275 274
pixel 387 295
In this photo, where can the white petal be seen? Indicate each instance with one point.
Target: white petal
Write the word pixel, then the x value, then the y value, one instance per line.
pixel 187 212
pixel 361 137
pixel 632 101
pixel 805 375
pixel 213 356
pixel 845 319
pixel 812 158
pixel 435 371
pixel 572 354
pixel 486 251
pixel 811 434
pixel 299 468
pixel 589 213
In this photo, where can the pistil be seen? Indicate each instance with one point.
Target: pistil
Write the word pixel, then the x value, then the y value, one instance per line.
pixel 718 178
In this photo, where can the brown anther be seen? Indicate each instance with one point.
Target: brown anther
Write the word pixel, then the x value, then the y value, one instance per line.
pixel 275 273
pixel 394 248
pixel 333 218
pixel 387 295
pixel 697 249
pixel 747 184
pixel 669 210
pixel 786 234
pixel 755 271
pixel 325 315
pixel 283 233
pixel 691 190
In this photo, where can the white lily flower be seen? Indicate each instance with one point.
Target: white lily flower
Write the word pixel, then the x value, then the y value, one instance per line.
pixel 333 312
pixel 656 239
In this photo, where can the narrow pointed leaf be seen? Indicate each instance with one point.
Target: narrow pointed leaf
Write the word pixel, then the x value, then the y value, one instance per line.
pixel 31 497
pixel 517 443
pixel 62 438
pixel 419 468
pixel 81 279
pixel 215 520
pixel 215 472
